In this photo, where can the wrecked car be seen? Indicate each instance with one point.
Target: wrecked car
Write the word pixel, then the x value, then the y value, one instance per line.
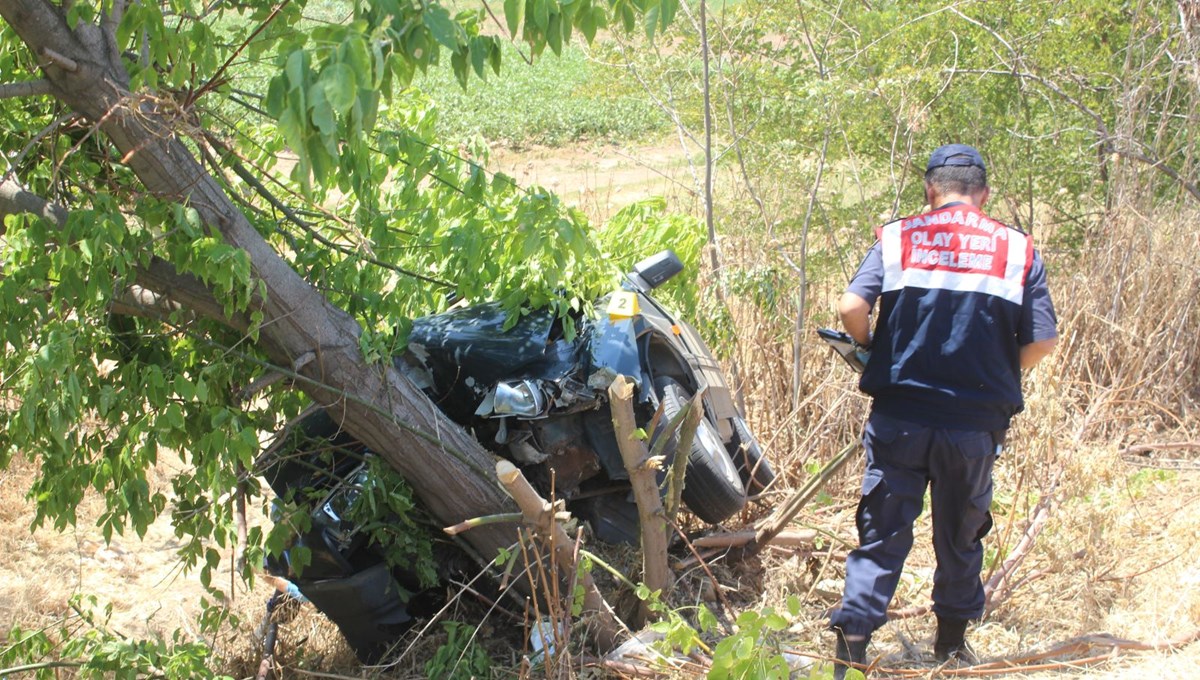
pixel 537 395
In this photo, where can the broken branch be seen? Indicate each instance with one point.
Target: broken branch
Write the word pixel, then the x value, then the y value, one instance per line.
pixel 539 513
pixel 468 524
pixel 790 539
pixel 773 525
pixel 60 60
pixel 692 413
pixel 28 88
pixel 656 573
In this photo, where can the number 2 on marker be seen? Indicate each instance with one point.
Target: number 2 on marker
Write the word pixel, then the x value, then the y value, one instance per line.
pixel 623 305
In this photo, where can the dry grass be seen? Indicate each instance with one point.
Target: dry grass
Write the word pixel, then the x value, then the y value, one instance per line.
pixel 1118 555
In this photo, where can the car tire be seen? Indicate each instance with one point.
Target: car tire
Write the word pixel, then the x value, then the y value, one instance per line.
pixel 755 470
pixel 712 489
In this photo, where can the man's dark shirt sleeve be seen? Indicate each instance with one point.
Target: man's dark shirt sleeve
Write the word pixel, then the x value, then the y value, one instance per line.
pixel 1038 321
pixel 868 280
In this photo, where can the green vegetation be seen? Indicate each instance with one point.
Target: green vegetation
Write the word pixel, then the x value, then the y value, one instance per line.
pixel 554 100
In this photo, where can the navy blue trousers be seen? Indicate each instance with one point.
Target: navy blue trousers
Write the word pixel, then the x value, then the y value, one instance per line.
pixel 902 459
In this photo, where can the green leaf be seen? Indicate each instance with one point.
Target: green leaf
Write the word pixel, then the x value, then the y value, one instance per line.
pixel 322 113
pixel 650 21
pixel 479 55
pixel 541 14
pixel 458 62
pixel 443 29
pixel 276 97
pixel 340 86
pixel 628 17
pixel 358 56
pixel 588 24
pixel 494 56
pixel 297 67
pixel 554 34
pixel 667 10
pixel 514 14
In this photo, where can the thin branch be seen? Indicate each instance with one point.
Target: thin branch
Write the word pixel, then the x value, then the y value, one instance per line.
pixel 165 287
pixel 1146 448
pixel 15 161
pixel 27 88
pixel 261 189
pixel 218 77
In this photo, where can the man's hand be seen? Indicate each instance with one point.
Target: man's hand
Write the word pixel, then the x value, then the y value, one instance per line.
pixel 1036 351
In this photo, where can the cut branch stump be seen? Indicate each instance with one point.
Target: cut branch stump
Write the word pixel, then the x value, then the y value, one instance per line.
pixel 540 515
pixel 656 573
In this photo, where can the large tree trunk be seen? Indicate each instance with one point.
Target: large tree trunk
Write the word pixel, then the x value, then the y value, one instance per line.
pixel 451 473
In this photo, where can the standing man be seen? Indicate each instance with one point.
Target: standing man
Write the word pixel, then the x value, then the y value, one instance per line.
pixel 963 307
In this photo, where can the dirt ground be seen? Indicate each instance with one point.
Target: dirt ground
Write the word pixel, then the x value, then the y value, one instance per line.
pixel 600 179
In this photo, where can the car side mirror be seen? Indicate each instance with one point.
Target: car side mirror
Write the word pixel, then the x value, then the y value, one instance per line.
pixel 656 269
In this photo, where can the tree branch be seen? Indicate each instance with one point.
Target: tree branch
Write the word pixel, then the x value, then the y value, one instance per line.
pixel 14 200
pixel 26 88
pixel 160 289
pixel 1108 142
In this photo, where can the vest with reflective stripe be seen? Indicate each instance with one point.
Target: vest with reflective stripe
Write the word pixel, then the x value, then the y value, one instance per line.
pixel 945 350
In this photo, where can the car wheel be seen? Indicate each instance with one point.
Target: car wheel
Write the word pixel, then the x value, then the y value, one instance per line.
pixel 712 488
pixel 755 470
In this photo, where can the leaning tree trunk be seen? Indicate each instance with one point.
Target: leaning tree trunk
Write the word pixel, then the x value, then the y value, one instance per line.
pixel 450 472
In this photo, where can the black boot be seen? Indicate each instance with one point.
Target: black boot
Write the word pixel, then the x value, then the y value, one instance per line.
pixel 951 641
pixel 848 652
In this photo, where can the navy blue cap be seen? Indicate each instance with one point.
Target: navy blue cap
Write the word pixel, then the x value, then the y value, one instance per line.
pixel 955 154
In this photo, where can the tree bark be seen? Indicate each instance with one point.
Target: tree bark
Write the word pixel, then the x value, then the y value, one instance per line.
pixel 448 469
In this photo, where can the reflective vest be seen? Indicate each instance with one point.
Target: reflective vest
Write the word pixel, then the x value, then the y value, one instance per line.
pixel 945 351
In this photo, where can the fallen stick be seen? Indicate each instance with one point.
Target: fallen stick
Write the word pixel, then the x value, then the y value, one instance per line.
pixel 1036 662
pixel 790 539
pixel 997 587
pixel 778 521
pixel 1169 446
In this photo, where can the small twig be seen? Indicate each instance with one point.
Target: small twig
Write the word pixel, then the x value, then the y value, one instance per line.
pixel 774 524
pixel 474 522
pixel 45 665
pixel 538 512
pixel 726 608
pixel 792 539
pixel 239 514
pixel 243 395
pixel 303 360
pixel 219 76
pixel 15 161
pixel 998 586
pixel 1167 446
